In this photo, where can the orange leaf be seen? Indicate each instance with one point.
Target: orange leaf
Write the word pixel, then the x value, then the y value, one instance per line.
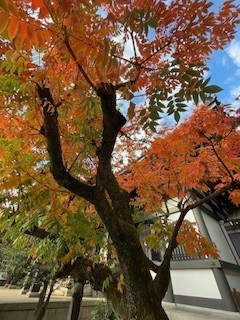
pixel 12 27
pixel 131 110
pixel 4 18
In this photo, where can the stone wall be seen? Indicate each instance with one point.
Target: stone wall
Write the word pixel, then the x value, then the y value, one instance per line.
pixel 58 310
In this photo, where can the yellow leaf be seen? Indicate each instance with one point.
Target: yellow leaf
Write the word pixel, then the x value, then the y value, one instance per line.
pixel 4 18
pixel 15 56
pixel 4 5
pixel 121 283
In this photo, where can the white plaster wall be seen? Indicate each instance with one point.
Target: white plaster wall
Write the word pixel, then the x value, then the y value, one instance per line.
pixel 189 216
pixel 218 238
pixel 195 283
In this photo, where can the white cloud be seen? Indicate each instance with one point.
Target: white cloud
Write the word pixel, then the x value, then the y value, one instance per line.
pixel 128 46
pixel 233 50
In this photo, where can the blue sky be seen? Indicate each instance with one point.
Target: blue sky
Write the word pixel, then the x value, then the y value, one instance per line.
pixel 225 70
pixel 225 66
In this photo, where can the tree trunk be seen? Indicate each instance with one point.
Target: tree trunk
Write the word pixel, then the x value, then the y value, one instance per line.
pixel 75 304
pixel 41 306
pixel 142 299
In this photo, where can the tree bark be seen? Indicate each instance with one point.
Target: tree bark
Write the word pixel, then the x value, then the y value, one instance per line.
pixel 42 304
pixel 140 299
pixel 75 305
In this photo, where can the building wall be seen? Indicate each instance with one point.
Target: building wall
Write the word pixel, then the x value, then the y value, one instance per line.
pixel 218 238
pixel 201 283
pixel 193 283
pixel 233 278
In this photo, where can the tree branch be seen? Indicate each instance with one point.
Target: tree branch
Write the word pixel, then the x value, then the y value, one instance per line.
pixel 113 120
pixel 79 66
pixel 52 135
pixel 163 275
pixel 156 52
pixel 40 233
pixel 212 196
pixel 217 156
pixel 130 82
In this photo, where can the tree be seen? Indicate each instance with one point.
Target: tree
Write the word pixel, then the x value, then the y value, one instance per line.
pixel 18 265
pixel 15 264
pixel 80 68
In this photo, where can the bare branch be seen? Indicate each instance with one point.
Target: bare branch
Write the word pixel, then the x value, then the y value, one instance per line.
pixel 134 47
pixel 156 52
pixel 79 66
pixel 130 82
pixel 217 156
pixel 211 196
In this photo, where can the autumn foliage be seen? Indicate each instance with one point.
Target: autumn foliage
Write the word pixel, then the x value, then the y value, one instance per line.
pixel 202 153
pixel 66 68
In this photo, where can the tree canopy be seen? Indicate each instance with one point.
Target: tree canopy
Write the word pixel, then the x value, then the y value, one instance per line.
pixel 66 67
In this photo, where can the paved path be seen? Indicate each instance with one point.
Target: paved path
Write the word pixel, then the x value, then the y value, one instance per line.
pixel 14 296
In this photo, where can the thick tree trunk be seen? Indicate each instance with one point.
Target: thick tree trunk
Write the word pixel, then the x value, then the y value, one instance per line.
pixel 75 305
pixel 143 301
pixel 141 298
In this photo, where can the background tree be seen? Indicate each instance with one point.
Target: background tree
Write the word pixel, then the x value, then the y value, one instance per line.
pixel 14 264
pixel 81 67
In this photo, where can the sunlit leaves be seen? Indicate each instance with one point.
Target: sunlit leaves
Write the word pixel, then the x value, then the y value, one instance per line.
pixel 136 46
pixel 203 151
pixel 3 21
pixel 194 244
pixel 189 86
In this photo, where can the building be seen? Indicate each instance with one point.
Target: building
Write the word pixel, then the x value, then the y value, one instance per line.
pixel 204 282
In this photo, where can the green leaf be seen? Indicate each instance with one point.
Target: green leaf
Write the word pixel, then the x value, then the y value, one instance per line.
pixel 212 89
pixel 181 109
pixel 154 115
pixel 170 110
pixel 160 105
pixel 163 95
pixel 195 97
pixel 180 105
pixel 152 126
pixel 175 70
pixel 179 100
pixel 146 29
pixel 152 22
pixel 142 112
pixel 187 78
pixel 146 125
pixel 144 119
pixel 199 83
pixel 176 116
pixel 203 96
pixel 192 72
pixel 203 85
